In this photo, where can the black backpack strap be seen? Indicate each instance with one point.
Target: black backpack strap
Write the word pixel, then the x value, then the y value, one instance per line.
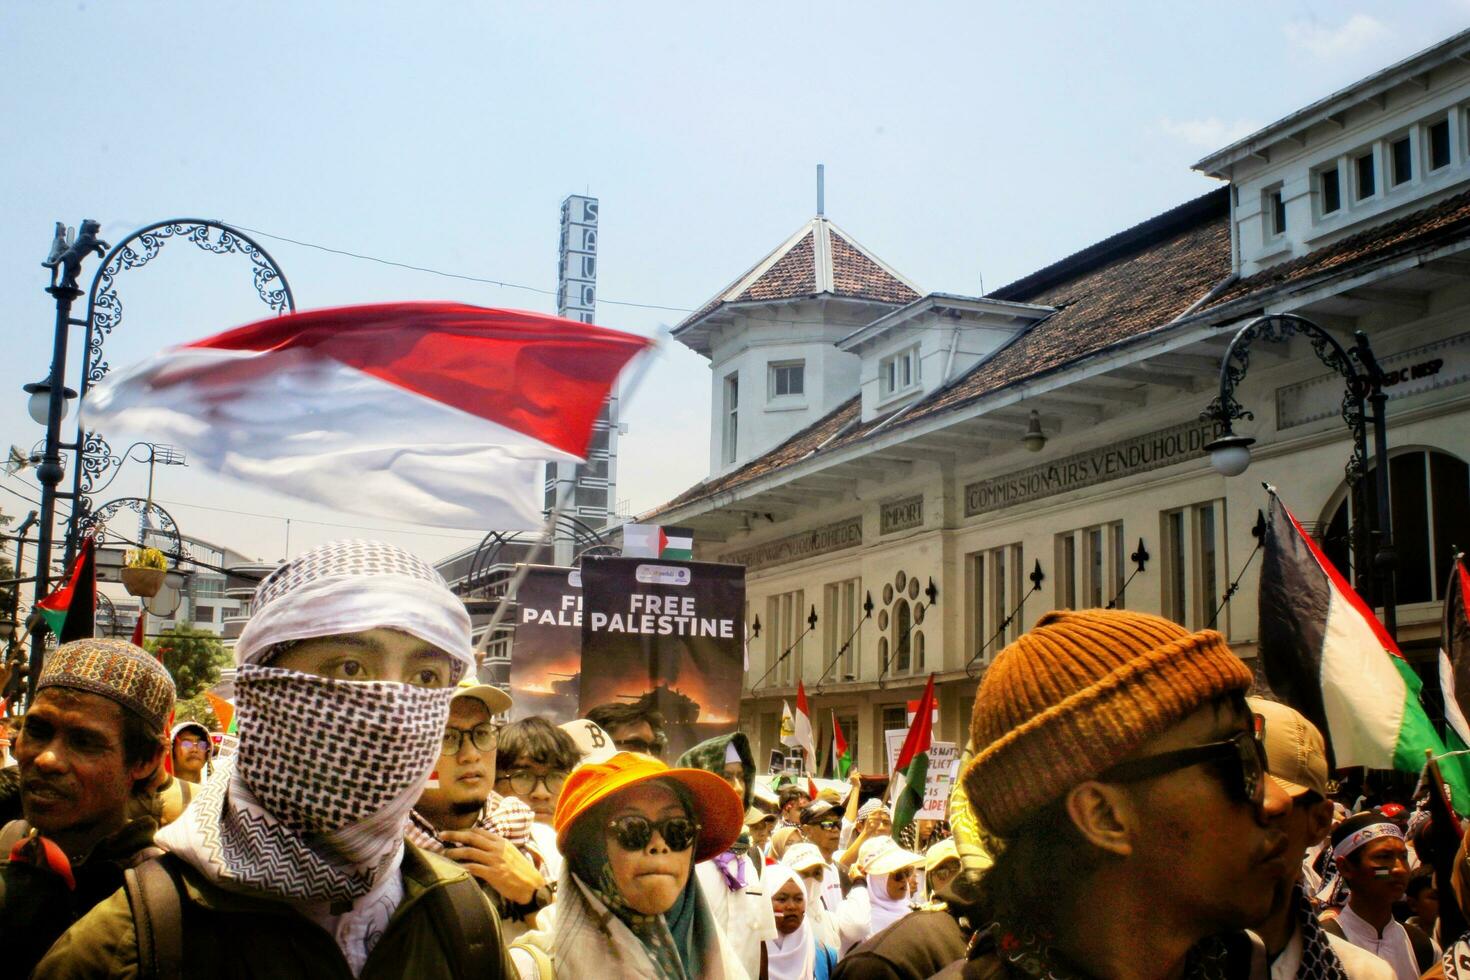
pixel 467 928
pixel 1423 946
pixel 158 919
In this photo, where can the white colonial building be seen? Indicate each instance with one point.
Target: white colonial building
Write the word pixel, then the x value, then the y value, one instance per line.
pixel 933 453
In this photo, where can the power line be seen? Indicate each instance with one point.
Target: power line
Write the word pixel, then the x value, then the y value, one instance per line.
pixel 467 536
pixel 504 284
pixel 452 275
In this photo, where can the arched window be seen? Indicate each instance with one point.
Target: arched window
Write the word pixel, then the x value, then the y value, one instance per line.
pixel 1429 492
pixel 902 642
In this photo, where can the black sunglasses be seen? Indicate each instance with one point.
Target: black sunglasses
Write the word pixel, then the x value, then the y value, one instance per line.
pixel 634 832
pixel 1242 755
pixel 654 748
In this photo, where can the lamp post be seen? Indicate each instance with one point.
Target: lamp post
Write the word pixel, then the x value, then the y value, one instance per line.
pixel 1359 368
pixel 65 263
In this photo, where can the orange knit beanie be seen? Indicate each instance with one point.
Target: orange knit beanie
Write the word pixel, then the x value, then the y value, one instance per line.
pixel 1078 693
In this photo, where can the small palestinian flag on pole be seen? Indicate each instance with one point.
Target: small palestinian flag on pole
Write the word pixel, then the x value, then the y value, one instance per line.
pixel 1326 654
pixel 1454 650
pixel 911 774
pixel 841 754
pixel 71 611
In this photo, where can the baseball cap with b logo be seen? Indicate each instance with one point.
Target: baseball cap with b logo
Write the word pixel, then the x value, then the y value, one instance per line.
pixel 1296 755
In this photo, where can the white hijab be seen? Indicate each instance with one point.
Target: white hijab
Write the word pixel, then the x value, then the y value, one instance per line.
pixel 885 911
pixel 794 956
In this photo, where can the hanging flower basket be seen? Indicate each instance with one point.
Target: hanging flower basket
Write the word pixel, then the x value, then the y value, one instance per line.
pixel 143 582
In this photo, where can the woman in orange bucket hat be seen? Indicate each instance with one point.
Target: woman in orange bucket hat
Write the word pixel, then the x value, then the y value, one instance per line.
pixel 631 831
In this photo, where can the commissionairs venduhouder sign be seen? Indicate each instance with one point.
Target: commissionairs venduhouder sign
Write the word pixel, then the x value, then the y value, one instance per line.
pixel 1127 457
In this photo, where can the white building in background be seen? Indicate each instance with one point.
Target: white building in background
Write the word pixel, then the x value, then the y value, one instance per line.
pixel 1041 446
pixel 204 600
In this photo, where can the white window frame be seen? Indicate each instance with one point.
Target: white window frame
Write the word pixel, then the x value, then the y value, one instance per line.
pixel 773 370
pixel 1271 199
pixel 1194 581
pixel 1427 141
pixel 891 382
pixel 1335 167
pixel 786 615
pixel 731 428
pixel 843 612
pixel 989 600
pixel 1089 564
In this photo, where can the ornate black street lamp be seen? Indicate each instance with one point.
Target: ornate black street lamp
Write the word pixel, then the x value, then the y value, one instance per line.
pixel 1230 453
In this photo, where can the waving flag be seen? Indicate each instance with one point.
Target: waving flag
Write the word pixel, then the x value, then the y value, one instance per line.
pixel 841 754
pixel 802 725
pixel 71 611
pixel 431 413
pixel 1454 650
pixel 911 775
pixel 1326 655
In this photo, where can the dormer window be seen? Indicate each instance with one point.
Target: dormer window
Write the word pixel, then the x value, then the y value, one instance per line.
pixel 1367 175
pixel 1401 158
pixel 1439 144
pixel 1275 213
pixel 898 373
pixel 785 379
pixel 1330 185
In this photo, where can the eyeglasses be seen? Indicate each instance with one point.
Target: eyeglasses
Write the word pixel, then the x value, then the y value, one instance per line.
pixel 634 832
pixel 1242 755
pixel 827 824
pixel 654 748
pixel 193 743
pixel 484 736
pixel 523 781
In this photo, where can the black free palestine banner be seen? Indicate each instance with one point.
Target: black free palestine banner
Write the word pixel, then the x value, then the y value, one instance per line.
pixel 669 634
pixel 546 655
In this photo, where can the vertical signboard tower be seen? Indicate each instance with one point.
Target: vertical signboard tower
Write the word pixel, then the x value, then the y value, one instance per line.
pixel 594 484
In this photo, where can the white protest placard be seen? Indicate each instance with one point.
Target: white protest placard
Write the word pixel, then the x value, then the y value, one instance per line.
pixel 942 757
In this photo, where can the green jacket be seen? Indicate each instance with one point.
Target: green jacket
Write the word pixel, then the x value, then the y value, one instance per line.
pixel 709 755
pixel 228 935
pixel 36 906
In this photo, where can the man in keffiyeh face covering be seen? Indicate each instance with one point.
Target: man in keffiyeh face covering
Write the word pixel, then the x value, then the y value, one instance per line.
pixel 292 861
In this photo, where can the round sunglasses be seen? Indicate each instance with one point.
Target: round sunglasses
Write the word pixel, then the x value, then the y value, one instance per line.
pixel 633 832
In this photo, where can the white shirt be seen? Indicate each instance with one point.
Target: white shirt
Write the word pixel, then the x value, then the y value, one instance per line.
pixel 1358 964
pixel 746 915
pixel 1392 945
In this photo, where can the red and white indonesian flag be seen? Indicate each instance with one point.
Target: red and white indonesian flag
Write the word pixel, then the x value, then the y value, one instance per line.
pixel 1326 654
pixel 428 413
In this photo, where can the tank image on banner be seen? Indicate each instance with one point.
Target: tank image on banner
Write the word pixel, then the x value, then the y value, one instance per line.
pixel 546 658
pixel 668 634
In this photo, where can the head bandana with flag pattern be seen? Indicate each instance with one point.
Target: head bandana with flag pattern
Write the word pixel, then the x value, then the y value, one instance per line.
pixel 315 805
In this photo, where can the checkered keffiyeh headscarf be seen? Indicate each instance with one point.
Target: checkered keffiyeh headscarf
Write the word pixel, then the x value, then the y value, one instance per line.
pixel 351 587
pixel 319 794
pixel 504 816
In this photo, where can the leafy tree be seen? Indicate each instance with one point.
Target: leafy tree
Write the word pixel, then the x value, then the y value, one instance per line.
pixel 193 656
pixel 197 709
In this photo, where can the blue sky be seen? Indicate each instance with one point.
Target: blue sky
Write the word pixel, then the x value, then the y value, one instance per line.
pixel 965 143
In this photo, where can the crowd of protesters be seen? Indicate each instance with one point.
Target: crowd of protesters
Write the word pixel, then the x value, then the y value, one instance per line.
pixel 1124 811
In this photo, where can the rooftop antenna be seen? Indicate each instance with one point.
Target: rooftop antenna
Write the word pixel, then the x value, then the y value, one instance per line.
pixel 821 190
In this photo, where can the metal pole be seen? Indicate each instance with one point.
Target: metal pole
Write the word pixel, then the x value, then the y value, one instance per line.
pixel 1385 558
pixel 50 472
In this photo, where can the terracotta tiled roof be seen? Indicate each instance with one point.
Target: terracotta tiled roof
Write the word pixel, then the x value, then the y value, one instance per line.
pixel 1445 222
pixel 794 274
pixel 1107 293
pixel 1123 288
pixel 818 259
pixel 855 274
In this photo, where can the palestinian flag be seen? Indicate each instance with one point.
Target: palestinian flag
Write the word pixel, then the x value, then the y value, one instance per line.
pixel 70 612
pixel 841 754
pixel 424 413
pixel 1454 650
pixel 652 541
pixel 911 774
pixel 224 711
pixel 1326 654
pixel 676 543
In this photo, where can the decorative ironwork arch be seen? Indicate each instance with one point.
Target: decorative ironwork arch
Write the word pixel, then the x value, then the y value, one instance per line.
pixel 105 313
pixel 160 522
pixel 487 554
